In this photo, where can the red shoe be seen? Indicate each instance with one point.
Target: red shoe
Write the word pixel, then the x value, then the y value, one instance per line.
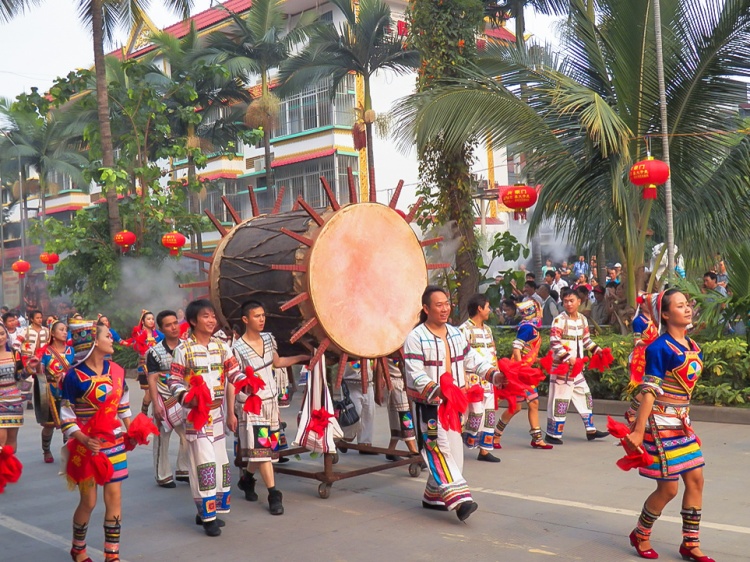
pixel 48 458
pixel 687 554
pixel 496 445
pixel 74 554
pixel 650 554
pixel 540 445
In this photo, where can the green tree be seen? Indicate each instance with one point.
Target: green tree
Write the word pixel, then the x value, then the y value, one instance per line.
pixel 256 44
pixel 208 102
pixel 365 43
pixel 43 139
pixel 499 11
pixel 103 17
pixel 445 36
pixel 587 113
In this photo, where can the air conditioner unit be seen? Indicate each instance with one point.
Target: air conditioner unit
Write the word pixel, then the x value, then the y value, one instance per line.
pixel 259 164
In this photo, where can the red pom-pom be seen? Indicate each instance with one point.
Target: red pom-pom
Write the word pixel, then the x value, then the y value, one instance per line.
pixel 140 428
pixel 319 420
pixel 10 467
pixel 475 393
pixel 101 468
pixel 617 429
pixel 546 362
pixel 602 360
pixel 253 404
pixel 198 416
pixel 251 384
pixel 453 405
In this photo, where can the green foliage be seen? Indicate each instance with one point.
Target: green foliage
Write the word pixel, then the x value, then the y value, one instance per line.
pixel 125 357
pixel 725 380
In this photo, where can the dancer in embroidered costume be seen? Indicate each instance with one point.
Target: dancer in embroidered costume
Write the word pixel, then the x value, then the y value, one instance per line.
pixel 526 351
pixel 662 426
pixel 56 359
pixel 255 404
pixel 201 367
pixel 14 380
pixel 35 337
pixel 400 417
pixel 569 339
pixel 645 332
pixel 144 337
pixel 94 403
pixel 168 413
pixel 364 403
pixel 480 422
pixel 436 356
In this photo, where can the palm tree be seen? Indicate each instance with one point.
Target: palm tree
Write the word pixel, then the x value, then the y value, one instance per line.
pixel 47 143
pixel 589 109
pixel 364 43
pixel 104 17
pixel 218 96
pixel 256 44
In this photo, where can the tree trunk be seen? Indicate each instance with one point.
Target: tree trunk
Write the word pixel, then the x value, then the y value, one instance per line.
pixel 602 261
pixel 102 106
pixel 270 180
pixel 536 257
pixel 370 162
pixel 370 149
pixel 520 24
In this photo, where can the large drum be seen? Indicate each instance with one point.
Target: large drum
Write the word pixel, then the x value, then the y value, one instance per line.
pixel 43 400
pixel 361 274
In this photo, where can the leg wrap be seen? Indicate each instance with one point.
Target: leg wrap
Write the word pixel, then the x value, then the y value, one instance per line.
pixel 645 523
pixel 500 427
pixel 46 442
pixel 112 539
pixel 536 434
pixel 79 537
pixel 691 521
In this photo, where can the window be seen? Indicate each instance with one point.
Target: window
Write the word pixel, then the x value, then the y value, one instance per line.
pixel 304 179
pixel 62 181
pixel 312 108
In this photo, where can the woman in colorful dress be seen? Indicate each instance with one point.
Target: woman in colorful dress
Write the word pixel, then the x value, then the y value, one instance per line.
pixel 14 381
pixel 56 359
pixel 144 337
pixel 662 427
pixel 95 383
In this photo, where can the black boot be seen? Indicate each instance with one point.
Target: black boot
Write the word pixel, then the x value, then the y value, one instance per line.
pixel 591 435
pixel 274 502
pixel 211 528
pixel 466 509
pixel 247 485
pixel 199 521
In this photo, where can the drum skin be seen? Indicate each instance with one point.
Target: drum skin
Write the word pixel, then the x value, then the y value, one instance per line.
pixel 364 272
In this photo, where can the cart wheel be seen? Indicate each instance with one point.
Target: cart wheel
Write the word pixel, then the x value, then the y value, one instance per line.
pixel 335 458
pixel 414 470
pixel 324 490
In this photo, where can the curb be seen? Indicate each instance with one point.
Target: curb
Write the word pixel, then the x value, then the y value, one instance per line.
pixel 698 412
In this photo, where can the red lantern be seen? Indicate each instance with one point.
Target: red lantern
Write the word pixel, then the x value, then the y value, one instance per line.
pixel 518 197
pixel 173 241
pixel 649 173
pixel 49 259
pixel 125 239
pixel 402 28
pixel 21 267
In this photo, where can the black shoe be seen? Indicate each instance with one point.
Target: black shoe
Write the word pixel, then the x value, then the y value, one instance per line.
pixel 212 528
pixel 489 457
pixel 283 460
pixel 199 521
pixel 433 506
pixel 274 502
pixel 552 440
pixel 282 425
pixel 29 405
pixel 168 485
pixel 591 435
pixel 466 509
pixel 182 479
pixel 392 458
pixel 342 448
pixel 247 484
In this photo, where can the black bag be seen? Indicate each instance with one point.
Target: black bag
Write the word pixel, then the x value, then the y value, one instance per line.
pixel 344 409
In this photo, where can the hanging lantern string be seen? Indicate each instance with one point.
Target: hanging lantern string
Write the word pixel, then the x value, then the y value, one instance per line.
pixel 647 139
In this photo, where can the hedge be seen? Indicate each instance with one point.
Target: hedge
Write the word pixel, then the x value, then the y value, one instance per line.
pixel 726 368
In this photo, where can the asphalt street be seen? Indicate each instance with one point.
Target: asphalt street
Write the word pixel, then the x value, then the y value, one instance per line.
pixel 570 503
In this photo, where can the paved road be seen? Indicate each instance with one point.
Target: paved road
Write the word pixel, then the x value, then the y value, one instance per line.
pixel 571 503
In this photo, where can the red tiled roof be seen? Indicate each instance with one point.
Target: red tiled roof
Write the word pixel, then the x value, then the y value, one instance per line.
pixel 500 33
pixel 302 157
pixel 217 176
pixel 201 20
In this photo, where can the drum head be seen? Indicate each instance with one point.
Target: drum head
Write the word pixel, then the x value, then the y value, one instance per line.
pixel 366 273
pixel 42 400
